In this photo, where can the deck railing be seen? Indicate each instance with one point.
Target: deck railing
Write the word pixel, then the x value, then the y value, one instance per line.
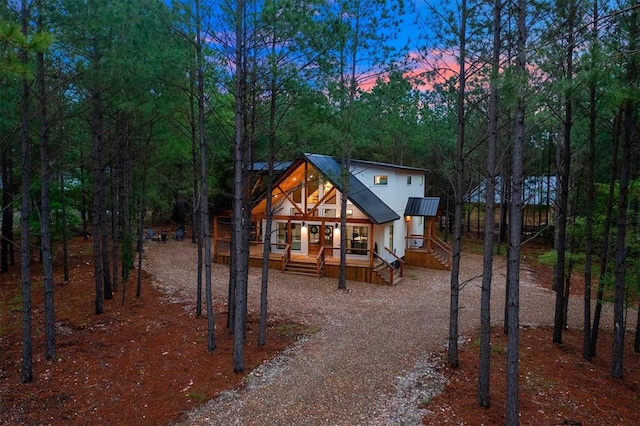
pixel 443 249
pixel 392 267
pixel 223 245
pixel 415 241
pixel 286 256
pixel 320 260
pixel 433 244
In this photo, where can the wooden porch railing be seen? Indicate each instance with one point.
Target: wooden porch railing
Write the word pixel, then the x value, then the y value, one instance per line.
pixel 443 249
pixel 286 256
pixel 223 245
pixel 433 244
pixel 320 260
pixel 392 268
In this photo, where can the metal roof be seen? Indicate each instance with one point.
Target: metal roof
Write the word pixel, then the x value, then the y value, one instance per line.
pixel 537 190
pixel 263 166
pixel 365 163
pixel 359 194
pixel 427 206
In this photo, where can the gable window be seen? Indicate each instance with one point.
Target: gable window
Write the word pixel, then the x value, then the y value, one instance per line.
pixel 380 180
pixel 296 196
pixel 408 180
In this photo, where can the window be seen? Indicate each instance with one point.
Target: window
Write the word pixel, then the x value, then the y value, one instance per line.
pixel 328 235
pixel 313 192
pixel 357 239
pixel 329 213
pixel 380 180
pixel 314 234
pixel 408 180
pixel 296 237
pixel 421 180
pixel 281 235
pixel 297 195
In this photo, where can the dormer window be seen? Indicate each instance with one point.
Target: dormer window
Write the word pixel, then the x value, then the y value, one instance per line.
pixel 380 180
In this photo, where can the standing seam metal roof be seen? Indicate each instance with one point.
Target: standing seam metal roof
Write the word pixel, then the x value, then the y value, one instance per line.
pixel 359 194
pixel 427 206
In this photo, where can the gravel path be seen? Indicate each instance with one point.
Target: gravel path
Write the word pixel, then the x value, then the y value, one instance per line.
pixel 369 364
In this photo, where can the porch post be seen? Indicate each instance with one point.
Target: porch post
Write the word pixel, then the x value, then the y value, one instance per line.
pixel 429 226
pixel 371 245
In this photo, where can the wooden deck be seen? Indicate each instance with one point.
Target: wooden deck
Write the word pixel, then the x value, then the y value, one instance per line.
pixel 361 268
pixel 357 269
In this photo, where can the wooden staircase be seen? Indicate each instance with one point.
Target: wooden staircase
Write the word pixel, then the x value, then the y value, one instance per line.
pixel 442 258
pixel 301 268
pixel 387 273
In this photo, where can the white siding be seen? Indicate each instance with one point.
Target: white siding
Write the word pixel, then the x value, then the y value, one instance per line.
pixel 394 194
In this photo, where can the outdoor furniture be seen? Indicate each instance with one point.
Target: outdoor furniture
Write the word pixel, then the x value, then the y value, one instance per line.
pixel 180 233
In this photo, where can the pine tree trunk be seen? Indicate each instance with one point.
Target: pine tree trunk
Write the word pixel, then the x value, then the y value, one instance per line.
pixel 204 196
pixel 452 354
pixel 484 367
pixel 241 258
pixel 266 239
pixel 45 215
pixel 515 223
pixel 344 196
pixel 65 230
pixel 26 374
pixel 636 340
pixel 564 167
pixel 591 196
pixel 98 189
pixel 606 234
pixel 196 235
pixel 7 245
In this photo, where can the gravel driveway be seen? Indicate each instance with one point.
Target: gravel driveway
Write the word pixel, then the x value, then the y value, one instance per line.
pixel 369 363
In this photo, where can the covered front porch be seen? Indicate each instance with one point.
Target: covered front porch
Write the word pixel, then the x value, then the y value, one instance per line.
pixel 428 251
pixel 425 250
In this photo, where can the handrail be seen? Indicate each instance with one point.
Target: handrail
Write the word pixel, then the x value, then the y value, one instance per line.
pixel 392 268
pixel 397 258
pixel 442 245
pixel 286 256
pixel 437 245
pixel 414 237
pixel 320 261
pixel 444 248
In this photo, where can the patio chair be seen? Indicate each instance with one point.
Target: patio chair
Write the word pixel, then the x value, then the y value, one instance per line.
pixel 180 233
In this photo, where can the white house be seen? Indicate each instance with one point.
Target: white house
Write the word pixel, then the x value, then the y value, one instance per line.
pixel 387 215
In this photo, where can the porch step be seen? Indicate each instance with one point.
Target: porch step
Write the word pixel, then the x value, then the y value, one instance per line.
pixel 440 258
pixel 382 270
pixel 301 268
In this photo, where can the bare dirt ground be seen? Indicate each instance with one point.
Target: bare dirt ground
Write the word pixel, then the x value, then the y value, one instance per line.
pixel 371 355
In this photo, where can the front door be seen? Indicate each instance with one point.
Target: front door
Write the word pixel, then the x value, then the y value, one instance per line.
pixel 314 239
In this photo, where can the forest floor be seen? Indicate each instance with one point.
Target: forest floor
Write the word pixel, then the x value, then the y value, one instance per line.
pixel 143 362
pixel 557 385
